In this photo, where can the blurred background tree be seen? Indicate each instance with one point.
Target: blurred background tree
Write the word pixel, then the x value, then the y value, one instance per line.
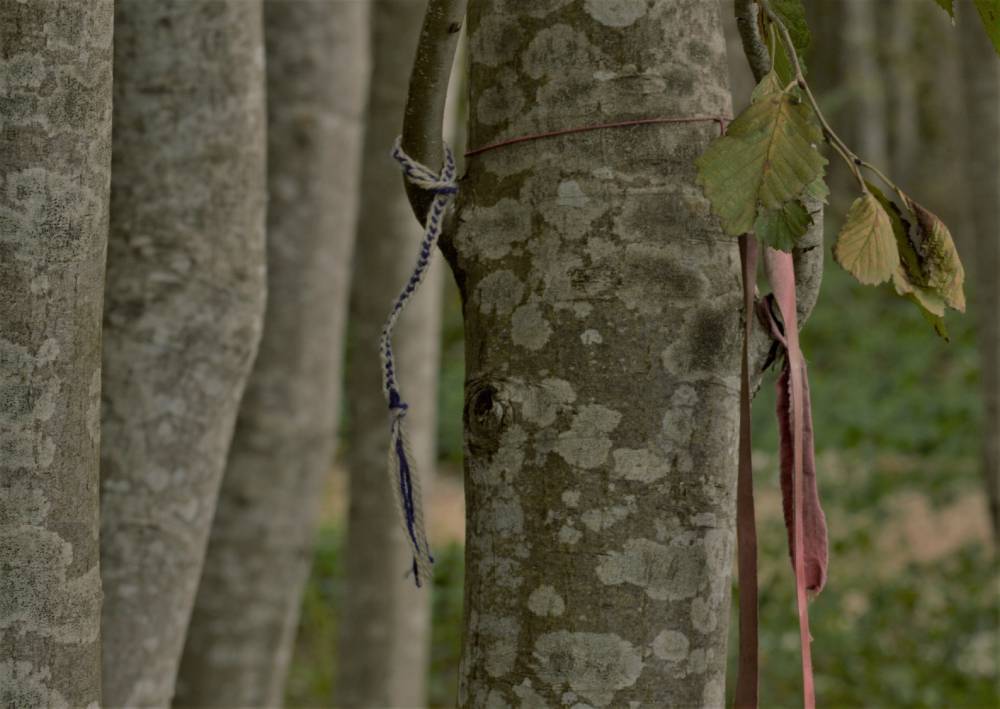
pixel 909 617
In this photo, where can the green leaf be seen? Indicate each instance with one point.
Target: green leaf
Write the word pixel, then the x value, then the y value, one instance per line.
pixel 817 190
pixel 767 157
pixel 948 6
pixel 866 245
pixel 792 14
pixel 783 227
pixel 989 12
pixel 940 268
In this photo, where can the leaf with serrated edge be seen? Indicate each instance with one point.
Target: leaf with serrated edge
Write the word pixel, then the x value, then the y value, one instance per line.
pixel 783 227
pixel 767 157
pixel 940 267
pixel 817 190
pixel 989 13
pixel 866 246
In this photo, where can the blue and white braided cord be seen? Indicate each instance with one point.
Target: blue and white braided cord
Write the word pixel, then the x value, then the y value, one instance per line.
pixel 405 481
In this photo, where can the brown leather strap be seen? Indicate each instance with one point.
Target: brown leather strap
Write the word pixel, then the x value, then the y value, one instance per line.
pixel 746 525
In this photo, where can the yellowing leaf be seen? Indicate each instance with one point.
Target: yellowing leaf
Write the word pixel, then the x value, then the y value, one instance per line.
pixel 767 157
pixel 782 228
pixel 941 270
pixel 866 246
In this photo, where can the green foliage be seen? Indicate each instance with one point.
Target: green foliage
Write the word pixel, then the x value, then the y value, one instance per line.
pixel 781 228
pixel 767 159
pixel 793 15
pixel 866 246
pixel 948 6
pixel 989 12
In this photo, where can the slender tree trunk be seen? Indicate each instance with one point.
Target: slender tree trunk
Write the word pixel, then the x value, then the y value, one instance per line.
pixel 901 87
pixel 385 627
pixel 981 83
pixel 55 166
pixel 864 79
pixel 602 316
pixel 243 627
pixel 183 314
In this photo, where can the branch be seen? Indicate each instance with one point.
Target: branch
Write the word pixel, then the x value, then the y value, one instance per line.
pixel 808 252
pixel 424 115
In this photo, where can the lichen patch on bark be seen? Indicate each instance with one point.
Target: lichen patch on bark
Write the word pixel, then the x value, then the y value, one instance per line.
pixel 594 665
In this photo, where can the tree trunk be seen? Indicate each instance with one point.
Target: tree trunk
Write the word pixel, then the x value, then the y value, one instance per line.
pixel 55 165
pixel 260 551
pixel 901 88
pixel 981 83
pixel 385 623
pixel 602 316
pixel 864 80
pixel 184 307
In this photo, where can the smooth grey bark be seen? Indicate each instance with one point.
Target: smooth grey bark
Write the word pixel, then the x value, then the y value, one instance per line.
pixel 385 623
pixel 864 80
pixel 901 86
pixel 260 550
pixel 981 85
pixel 55 166
pixel 185 300
pixel 602 316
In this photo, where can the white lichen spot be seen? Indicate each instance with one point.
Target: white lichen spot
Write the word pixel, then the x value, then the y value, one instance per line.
pixel 530 699
pixel 528 328
pixel 500 640
pixel 569 194
pixel 591 337
pixel 571 498
pixel 606 517
pixel 714 694
pixel 569 535
pixel 586 443
pixel 568 697
pixel 616 13
pixel 604 75
pixel 594 665
pixel 540 404
pixel 664 572
pixel 495 700
pixel 703 617
pixel 48 352
pixel 704 519
pixel 24 685
pixel 678 427
pixel 494 230
pixel 499 293
pixel 545 601
pixel 671 645
pixel 639 465
pixel 697 662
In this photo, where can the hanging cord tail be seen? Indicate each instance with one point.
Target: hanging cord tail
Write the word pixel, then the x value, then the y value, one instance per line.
pixel 402 470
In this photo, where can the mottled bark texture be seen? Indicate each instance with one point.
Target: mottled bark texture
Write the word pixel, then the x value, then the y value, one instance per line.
pixel 246 614
pixel 55 166
pixel 602 315
pixel 385 626
pixel 183 314
pixel 981 84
